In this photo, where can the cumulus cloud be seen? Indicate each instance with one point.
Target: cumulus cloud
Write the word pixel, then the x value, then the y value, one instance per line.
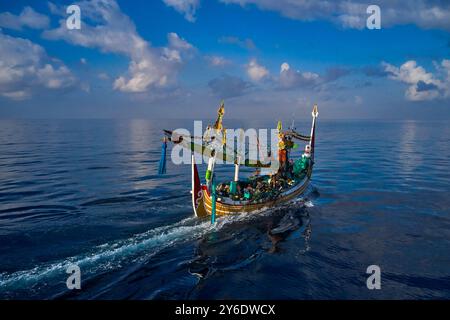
pixel 422 85
pixel 27 18
pixel 228 86
pixel 185 7
pixel 106 28
pixel 255 71
pixel 291 79
pixel 176 47
pixel 178 43
pixel 352 14
pixel 25 68
pixel 294 78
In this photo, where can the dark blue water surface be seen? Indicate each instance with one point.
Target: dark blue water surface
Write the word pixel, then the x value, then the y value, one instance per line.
pixel 87 192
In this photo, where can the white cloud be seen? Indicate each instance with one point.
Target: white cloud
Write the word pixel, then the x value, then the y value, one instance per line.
pixel 178 43
pixel 446 70
pixel 255 71
pixel 177 46
pixel 284 67
pixel 217 61
pixel 186 7
pixel 290 78
pixel 25 67
pixel 422 85
pixel 106 28
pixel 352 14
pixel 27 18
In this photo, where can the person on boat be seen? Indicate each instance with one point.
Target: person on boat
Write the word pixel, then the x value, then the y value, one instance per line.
pixel 302 165
pixel 306 158
pixel 272 181
pixel 248 192
pixel 219 189
pixel 238 194
pixel 227 190
pixel 289 143
pixel 259 188
pixel 285 144
pixel 223 190
pixel 282 155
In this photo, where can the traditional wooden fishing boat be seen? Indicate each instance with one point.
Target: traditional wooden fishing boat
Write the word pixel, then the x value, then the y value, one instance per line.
pixel 287 181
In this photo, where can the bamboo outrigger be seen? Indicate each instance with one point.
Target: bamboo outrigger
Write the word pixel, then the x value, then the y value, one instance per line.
pixel 210 199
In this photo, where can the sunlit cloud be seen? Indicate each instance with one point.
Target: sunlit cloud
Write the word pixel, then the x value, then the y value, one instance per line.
pixel 255 71
pixel 422 85
pixel 27 18
pixel 111 31
pixel 185 7
pixel 26 68
pixel 427 14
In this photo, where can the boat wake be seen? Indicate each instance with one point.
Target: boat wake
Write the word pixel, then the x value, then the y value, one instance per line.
pixel 114 255
pixel 108 256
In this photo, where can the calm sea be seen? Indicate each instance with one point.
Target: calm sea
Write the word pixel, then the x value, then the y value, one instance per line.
pixel 87 192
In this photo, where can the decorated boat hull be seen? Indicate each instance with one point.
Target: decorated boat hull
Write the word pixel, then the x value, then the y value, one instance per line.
pixel 202 201
pixel 227 209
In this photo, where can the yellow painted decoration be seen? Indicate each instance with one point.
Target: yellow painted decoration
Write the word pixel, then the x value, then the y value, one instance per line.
pixel 220 113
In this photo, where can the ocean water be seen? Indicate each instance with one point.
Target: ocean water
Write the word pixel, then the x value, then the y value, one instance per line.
pixel 87 192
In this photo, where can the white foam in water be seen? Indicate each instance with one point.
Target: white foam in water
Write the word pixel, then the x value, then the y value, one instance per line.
pixel 105 256
pixel 309 204
pixel 110 255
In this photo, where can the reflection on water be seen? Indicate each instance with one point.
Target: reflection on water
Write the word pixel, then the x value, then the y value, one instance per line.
pixel 140 143
pixel 88 192
pixel 409 156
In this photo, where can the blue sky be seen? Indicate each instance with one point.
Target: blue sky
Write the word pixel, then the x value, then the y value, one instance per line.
pixel 179 58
